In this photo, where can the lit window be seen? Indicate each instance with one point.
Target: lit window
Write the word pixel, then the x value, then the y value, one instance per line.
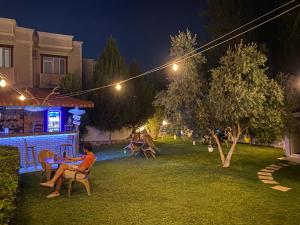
pixel 5 57
pixel 54 65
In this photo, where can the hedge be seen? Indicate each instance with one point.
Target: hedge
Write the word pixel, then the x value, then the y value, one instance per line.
pixel 9 177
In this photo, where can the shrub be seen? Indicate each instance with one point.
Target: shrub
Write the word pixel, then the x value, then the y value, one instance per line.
pixel 9 166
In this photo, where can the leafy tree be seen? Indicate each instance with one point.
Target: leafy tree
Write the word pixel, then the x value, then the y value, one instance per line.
pixel 291 86
pixel 223 16
pixel 110 105
pixel 154 123
pixel 182 100
pixel 69 84
pixel 140 106
pixel 242 96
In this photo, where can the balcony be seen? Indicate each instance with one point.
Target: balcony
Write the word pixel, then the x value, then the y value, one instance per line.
pixel 50 80
pixel 8 73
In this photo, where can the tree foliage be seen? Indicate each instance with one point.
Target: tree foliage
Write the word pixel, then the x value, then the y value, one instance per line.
pixel 278 39
pixel 69 83
pixel 185 92
pixel 110 105
pixel 242 96
pixel 132 105
pixel 291 87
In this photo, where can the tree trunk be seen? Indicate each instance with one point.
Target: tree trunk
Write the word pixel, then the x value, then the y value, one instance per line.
pixel 229 155
pixel 237 134
pixel 219 148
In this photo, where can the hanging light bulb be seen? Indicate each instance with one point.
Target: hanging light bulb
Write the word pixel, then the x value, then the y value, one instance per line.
pixel 175 67
pixel 164 123
pixel 118 87
pixel 2 83
pixel 22 97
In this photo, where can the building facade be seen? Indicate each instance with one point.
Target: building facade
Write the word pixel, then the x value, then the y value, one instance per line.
pixel 292 143
pixel 30 58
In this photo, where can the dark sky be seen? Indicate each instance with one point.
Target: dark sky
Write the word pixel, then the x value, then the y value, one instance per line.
pixel 142 28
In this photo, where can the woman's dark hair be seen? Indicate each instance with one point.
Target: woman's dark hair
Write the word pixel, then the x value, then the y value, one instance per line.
pixel 88 147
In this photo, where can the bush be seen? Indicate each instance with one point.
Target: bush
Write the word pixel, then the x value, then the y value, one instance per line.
pixel 263 136
pixel 9 166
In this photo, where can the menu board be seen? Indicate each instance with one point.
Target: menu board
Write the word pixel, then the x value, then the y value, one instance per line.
pixel 54 121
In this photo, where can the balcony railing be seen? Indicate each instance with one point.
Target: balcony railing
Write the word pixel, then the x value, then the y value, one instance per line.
pixel 8 73
pixel 50 80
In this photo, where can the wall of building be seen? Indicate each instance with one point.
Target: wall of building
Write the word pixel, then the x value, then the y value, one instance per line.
pixel 88 73
pixel 21 41
pixel 28 45
pixel 96 136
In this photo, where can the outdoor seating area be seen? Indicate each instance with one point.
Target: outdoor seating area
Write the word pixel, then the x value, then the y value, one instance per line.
pixel 150 113
pixel 188 182
pixel 142 145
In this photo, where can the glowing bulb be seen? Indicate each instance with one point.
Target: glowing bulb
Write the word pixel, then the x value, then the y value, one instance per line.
pixel 165 123
pixel 2 83
pixel 22 97
pixel 175 67
pixel 118 87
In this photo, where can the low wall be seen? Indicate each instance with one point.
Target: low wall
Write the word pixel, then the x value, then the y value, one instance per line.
pixel 96 136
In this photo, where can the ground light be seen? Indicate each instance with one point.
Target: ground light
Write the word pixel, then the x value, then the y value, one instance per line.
pixel 2 83
pixel 22 97
pixel 118 87
pixel 175 67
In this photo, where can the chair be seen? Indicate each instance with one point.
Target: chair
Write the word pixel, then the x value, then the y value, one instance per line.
pixel 135 143
pixel 82 177
pixel 67 147
pixel 29 149
pixel 46 167
pixel 149 146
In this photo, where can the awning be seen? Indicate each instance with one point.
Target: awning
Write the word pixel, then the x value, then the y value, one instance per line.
pixel 9 97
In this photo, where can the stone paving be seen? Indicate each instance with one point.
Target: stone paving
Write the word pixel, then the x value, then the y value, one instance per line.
pixel 265 175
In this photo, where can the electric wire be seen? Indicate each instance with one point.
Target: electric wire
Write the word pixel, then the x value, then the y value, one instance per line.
pixel 184 58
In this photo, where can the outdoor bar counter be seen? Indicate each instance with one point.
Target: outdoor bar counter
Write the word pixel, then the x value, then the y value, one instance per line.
pixel 41 121
pixel 41 141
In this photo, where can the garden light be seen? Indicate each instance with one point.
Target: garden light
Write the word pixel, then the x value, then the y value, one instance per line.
pixel 2 83
pixel 22 97
pixel 118 87
pixel 175 67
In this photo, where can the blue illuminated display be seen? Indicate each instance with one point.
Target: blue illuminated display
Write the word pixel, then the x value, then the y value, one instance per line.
pixel 54 121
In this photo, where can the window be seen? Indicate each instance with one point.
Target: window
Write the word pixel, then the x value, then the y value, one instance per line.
pixel 54 65
pixel 5 56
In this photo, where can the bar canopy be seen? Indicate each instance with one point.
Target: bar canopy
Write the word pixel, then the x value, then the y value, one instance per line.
pixel 38 97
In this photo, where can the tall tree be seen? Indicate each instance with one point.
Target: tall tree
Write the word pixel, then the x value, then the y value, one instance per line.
pixel 139 106
pixel 241 95
pixel 278 38
pixel 110 105
pixel 183 98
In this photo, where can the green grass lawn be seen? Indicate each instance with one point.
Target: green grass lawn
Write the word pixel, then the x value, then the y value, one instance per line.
pixel 185 185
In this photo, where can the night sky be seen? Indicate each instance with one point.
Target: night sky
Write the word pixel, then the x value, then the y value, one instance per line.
pixel 142 28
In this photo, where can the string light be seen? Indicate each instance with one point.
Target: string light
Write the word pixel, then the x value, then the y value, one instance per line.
pixel 22 97
pixel 3 83
pixel 164 123
pixel 175 67
pixel 187 55
pixel 195 51
pixel 118 87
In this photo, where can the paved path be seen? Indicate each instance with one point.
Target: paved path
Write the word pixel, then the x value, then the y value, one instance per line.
pixel 265 175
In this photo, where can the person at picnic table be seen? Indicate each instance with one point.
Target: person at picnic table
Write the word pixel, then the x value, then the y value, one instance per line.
pixel 69 170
